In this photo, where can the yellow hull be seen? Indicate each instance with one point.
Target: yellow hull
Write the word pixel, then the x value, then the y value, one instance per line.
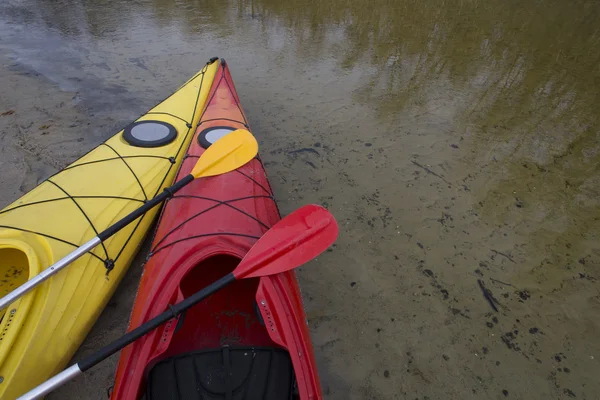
pixel 40 332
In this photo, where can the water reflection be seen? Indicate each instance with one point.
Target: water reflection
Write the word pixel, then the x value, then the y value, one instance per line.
pixel 517 56
pixel 521 79
pixel 521 75
pixel 535 56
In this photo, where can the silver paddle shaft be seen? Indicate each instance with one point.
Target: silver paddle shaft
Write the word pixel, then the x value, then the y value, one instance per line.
pixel 52 384
pixel 48 272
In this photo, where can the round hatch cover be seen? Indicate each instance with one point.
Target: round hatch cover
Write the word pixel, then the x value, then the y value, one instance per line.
pixel 211 135
pixel 149 133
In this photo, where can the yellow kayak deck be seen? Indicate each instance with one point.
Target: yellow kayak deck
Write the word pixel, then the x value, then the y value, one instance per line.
pixel 40 332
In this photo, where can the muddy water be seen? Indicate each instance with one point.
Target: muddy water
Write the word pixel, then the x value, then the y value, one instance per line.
pixel 456 142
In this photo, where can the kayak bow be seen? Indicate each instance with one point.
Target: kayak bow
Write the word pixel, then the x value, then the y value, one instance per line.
pixel 251 337
pixel 40 331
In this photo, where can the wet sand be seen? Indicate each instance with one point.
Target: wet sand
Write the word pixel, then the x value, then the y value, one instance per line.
pixel 457 147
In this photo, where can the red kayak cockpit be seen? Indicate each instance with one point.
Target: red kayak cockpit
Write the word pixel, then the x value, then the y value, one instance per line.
pixel 227 318
pixel 220 347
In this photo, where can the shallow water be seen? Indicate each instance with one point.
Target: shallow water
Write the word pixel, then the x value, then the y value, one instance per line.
pixel 454 141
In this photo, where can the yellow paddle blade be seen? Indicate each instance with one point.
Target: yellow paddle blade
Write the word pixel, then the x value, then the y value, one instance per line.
pixel 226 154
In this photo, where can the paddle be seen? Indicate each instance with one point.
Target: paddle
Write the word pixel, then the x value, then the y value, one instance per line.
pixel 226 154
pixel 293 241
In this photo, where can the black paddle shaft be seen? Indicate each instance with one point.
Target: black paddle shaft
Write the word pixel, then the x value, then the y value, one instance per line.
pixel 154 323
pixel 123 222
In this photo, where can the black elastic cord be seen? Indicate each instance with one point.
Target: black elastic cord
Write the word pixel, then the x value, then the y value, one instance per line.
pixel 196 104
pixel 69 198
pixel 82 212
pixel 183 223
pixel 110 159
pixel 237 103
pixel 203 235
pixel 129 237
pixel 254 180
pixel 49 237
pixel 141 212
pixel 130 169
pixel 214 92
pixel 219 203
pixel 223 119
pixel 170 115
pixel 227 203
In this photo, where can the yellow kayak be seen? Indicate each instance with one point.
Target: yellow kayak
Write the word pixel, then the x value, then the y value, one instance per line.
pixel 40 331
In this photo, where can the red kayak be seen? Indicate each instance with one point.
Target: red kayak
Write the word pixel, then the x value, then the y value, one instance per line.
pixel 249 340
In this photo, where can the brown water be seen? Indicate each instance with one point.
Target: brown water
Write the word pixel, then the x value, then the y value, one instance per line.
pixel 454 141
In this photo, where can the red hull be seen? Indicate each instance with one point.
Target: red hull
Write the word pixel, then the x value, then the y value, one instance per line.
pixel 202 234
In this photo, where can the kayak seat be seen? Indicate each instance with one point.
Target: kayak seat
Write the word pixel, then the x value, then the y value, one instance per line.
pixel 228 373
